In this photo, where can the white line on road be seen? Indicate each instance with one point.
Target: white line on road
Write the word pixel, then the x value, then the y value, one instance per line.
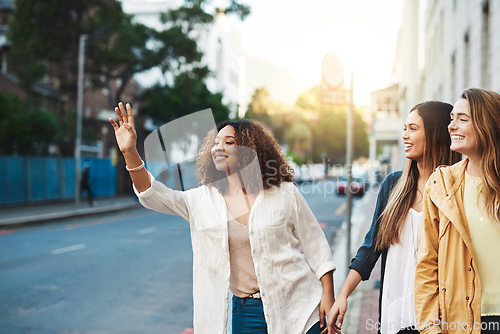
pixel 68 249
pixel 340 209
pixel 147 230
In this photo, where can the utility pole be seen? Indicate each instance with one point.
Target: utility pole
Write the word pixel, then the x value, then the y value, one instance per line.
pixel 348 161
pixel 334 92
pixel 79 103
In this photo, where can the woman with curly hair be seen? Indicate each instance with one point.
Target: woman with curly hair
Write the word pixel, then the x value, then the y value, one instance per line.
pixel 247 221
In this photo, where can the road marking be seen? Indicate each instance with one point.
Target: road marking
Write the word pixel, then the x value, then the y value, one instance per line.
pixel 109 219
pixel 147 230
pixel 68 249
pixel 340 209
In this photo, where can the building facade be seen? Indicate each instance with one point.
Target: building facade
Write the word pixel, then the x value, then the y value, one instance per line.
pixel 444 47
pixel 462 47
pixel 385 130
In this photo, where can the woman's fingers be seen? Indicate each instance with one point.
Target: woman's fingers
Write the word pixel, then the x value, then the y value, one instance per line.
pixel 130 115
pixel 123 113
pixel 322 322
pixel 113 123
pixel 340 320
pixel 128 127
pixel 119 115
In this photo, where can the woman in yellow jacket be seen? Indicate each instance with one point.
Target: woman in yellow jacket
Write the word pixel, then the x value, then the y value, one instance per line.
pixel 457 282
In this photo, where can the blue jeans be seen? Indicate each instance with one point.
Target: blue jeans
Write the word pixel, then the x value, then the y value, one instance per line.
pixel 248 317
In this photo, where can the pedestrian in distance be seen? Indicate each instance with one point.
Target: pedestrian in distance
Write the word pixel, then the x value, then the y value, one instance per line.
pixel 247 221
pixel 393 234
pixel 85 184
pixel 457 282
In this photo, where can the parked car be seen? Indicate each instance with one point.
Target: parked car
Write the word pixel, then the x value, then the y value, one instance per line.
pixel 358 186
pixel 308 172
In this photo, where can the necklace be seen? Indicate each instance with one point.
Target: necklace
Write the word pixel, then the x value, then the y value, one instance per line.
pixel 478 191
pixel 235 190
pixel 474 184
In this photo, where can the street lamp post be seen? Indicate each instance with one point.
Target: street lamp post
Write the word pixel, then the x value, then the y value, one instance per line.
pixel 79 103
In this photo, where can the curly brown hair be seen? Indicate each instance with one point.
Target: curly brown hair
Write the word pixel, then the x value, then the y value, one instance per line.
pixel 274 168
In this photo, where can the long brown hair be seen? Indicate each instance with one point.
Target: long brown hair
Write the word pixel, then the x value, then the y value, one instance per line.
pixel 484 108
pixel 436 117
pixel 273 166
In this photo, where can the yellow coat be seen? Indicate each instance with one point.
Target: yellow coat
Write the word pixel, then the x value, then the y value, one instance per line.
pixel 447 285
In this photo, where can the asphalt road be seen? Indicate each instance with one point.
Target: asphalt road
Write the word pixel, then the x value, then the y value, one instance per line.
pixel 122 273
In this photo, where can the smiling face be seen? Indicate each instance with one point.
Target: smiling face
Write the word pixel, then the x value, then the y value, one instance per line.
pixel 464 138
pixel 414 137
pixel 224 150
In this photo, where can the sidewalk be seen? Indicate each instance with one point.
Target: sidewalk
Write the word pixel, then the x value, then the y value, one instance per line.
pixel 16 216
pixel 362 313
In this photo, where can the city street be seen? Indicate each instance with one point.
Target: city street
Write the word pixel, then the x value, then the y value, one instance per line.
pixel 127 272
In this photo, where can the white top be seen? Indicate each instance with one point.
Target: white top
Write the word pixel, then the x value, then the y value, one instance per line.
pixel 279 221
pixel 398 302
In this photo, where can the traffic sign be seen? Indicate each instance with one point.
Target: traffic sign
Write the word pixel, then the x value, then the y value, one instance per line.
pixel 332 80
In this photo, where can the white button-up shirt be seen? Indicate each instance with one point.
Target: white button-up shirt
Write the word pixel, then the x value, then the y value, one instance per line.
pixel 279 221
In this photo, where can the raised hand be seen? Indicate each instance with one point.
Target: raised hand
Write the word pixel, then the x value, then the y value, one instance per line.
pixel 126 136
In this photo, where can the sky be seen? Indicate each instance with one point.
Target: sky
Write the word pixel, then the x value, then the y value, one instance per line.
pixel 296 35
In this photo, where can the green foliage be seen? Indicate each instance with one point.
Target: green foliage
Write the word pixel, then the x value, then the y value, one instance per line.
pixel 330 128
pixel 299 160
pixel 24 130
pixel 260 106
pixel 45 40
pixel 9 111
pixel 188 94
pixel 275 116
pixel 310 125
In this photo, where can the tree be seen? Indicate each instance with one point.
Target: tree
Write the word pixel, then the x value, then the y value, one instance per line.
pixel 24 130
pixel 310 125
pixel 188 94
pixel 260 106
pixel 45 34
pixel 277 117
pixel 329 128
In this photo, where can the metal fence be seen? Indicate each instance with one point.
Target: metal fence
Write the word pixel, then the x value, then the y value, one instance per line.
pixel 39 179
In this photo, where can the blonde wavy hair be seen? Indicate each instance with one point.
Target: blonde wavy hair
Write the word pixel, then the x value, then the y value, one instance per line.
pixel 484 106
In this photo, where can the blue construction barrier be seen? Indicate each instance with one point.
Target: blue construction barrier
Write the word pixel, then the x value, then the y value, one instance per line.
pixel 40 179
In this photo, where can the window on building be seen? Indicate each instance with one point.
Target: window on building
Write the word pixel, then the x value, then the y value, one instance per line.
pixel 466 64
pixel 219 74
pixel 4 18
pixel 234 77
pixel 453 76
pixel 485 46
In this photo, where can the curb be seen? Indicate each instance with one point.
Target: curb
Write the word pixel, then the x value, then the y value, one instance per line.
pixel 42 218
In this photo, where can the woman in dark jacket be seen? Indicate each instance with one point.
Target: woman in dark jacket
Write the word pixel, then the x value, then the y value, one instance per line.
pixel 397 217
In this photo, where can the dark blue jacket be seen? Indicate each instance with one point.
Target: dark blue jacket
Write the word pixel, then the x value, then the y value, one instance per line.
pixel 367 256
